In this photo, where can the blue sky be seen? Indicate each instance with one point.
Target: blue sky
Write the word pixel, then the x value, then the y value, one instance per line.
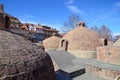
pixel 54 12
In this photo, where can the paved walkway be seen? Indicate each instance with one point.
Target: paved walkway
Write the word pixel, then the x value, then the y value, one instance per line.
pixel 97 63
pixel 64 61
pixel 87 76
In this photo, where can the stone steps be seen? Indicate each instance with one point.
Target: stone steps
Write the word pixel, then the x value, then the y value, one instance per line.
pixel 99 69
pixel 73 71
pixel 64 61
pixel 76 67
pixel 103 70
pixel 87 76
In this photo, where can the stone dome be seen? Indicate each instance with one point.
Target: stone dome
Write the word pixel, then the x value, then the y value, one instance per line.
pixel 22 60
pixel 81 38
pixel 51 43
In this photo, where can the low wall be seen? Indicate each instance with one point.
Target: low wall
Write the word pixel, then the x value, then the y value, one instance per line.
pixel 50 49
pixel 109 54
pixel 83 54
pixel 101 72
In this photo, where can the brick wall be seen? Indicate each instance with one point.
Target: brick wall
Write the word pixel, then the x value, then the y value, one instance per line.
pixel 109 54
pixel 101 72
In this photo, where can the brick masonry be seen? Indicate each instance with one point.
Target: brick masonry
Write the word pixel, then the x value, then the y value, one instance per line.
pixel 109 54
pixel 102 72
pixel 22 60
pixel 81 38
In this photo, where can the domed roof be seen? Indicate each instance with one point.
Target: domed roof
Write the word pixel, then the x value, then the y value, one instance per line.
pixel 81 38
pixel 22 60
pixel 51 43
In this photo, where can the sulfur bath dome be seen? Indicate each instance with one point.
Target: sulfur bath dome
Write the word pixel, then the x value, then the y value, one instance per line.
pixel 81 38
pixel 51 43
pixel 22 60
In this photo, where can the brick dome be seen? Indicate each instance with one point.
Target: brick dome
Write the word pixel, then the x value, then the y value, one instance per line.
pixel 51 43
pixel 81 38
pixel 22 60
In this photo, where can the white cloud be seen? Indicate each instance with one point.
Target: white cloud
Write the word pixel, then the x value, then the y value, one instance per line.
pixel 75 9
pixel 23 20
pixel 117 4
pixel 29 16
pixel 27 19
pixel 104 16
pixel 116 33
pixel 70 2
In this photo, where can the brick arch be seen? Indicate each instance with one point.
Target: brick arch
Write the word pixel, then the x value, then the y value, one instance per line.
pixel 64 43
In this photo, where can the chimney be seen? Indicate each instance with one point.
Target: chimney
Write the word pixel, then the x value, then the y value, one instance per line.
pixel 81 24
pixel 1 7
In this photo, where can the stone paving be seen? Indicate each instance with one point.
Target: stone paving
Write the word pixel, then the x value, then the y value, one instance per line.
pixel 70 65
pixel 87 76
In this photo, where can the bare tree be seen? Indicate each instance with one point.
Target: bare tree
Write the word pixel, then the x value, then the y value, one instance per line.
pixel 104 32
pixel 116 37
pixel 71 23
pixel 95 28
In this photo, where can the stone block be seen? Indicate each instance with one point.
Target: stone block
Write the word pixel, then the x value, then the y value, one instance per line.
pixel 25 58
pixel 21 67
pixel 2 71
pixel 15 59
pixel 31 65
pixel 5 60
pixel 11 70
pixel 5 54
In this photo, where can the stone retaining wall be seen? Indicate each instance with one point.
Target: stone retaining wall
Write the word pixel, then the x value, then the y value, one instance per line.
pixel 101 72
pixel 109 54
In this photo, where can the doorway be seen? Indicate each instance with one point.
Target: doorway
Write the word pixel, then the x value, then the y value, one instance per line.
pixel 105 42
pixel 7 22
pixel 64 44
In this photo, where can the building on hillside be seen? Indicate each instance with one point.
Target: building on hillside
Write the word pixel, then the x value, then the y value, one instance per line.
pixel 48 31
pixel 6 20
pixel 38 32
pixel 44 32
